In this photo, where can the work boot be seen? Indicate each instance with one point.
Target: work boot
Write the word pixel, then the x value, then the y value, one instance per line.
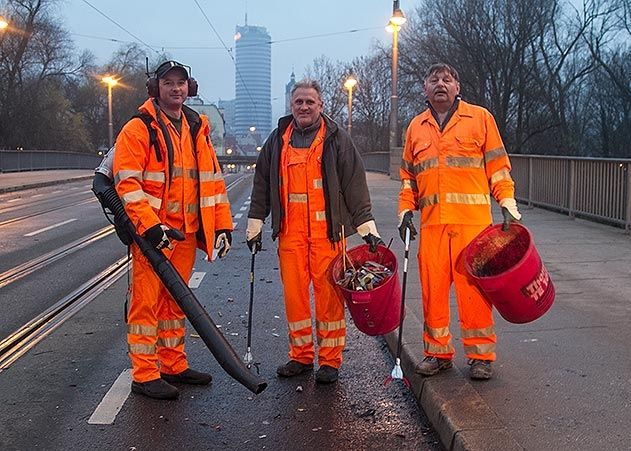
pixel 432 365
pixel 480 369
pixel 156 389
pixel 188 376
pixel 293 368
pixel 326 374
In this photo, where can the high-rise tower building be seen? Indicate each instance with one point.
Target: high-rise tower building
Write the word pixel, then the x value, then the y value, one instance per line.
pixel 253 80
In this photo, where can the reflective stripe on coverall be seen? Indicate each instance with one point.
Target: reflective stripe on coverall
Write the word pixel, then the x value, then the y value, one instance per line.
pixel 196 187
pixel 155 323
pixel 450 176
pixel 305 254
pixel 440 260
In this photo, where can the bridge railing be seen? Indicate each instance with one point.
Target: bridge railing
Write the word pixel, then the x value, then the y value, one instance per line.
pixel 39 160
pixel 592 188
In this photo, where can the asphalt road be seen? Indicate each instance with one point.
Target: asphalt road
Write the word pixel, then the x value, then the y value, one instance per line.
pixel 50 394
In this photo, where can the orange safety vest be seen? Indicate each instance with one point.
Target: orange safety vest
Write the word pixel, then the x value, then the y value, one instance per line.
pixel 451 175
pixel 195 187
pixel 301 186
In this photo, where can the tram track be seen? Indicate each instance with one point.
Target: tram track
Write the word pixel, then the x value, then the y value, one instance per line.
pixel 59 207
pixel 42 261
pixel 27 336
pixel 40 201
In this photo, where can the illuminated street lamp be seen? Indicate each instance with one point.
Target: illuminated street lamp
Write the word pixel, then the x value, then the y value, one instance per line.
pixel 228 151
pixel 252 129
pixel 349 84
pixel 3 23
pixel 110 82
pixel 393 27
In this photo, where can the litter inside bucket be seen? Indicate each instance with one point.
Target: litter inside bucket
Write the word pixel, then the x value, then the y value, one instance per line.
pixel 507 268
pixel 496 253
pixel 375 311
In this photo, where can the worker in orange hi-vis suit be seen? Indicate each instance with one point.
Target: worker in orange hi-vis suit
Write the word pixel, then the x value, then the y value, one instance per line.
pixel 311 179
pixel 453 161
pixel 168 179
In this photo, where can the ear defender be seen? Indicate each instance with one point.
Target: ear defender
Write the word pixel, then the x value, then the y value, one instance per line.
pixel 153 89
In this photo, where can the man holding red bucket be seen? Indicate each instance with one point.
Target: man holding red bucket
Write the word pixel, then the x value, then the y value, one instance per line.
pixel 311 179
pixel 453 162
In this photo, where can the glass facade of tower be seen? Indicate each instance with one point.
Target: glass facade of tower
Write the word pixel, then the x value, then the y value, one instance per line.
pixel 253 80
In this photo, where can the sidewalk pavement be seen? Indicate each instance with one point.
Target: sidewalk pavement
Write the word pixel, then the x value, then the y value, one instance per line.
pixel 18 181
pixel 560 383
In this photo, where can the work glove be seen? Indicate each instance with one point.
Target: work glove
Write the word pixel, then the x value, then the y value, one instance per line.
pixel 253 235
pixel 510 212
pixel 406 221
pixel 368 232
pixel 223 242
pixel 158 236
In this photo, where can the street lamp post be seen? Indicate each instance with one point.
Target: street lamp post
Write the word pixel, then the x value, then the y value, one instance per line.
pixel 393 27
pixel 349 84
pixel 110 82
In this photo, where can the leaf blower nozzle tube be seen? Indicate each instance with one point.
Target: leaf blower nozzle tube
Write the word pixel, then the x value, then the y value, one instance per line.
pixel 198 317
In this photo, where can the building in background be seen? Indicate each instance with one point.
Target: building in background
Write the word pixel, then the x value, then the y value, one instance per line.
pixel 217 124
pixel 226 108
pixel 253 82
pixel 288 86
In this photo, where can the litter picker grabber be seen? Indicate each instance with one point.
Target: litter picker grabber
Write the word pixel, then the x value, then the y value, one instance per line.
pixel 248 359
pixel 397 372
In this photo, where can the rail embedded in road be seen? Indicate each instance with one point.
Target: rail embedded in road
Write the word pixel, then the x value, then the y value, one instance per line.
pixel 23 339
pixel 42 261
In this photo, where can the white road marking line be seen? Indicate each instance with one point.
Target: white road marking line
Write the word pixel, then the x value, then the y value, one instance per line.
pixel 247 202
pixel 234 225
pixel 243 208
pixel 196 279
pixel 55 192
pixel 238 216
pixel 45 229
pixel 112 402
pixel 36 195
pixel 13 200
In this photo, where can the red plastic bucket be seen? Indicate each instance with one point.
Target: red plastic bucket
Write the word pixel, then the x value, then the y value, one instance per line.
pixel 376 311
pixel 507 268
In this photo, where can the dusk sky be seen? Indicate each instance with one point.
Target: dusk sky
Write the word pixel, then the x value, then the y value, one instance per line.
pixel 180 28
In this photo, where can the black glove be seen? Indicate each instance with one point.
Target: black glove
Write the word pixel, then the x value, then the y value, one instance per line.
pixel 508 218
pixel 159 235
pixel 373 241
pixel 223 245
pixel 407 223
pixel 255 243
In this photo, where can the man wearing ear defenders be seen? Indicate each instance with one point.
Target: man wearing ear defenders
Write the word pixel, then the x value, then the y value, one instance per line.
pixel 170 182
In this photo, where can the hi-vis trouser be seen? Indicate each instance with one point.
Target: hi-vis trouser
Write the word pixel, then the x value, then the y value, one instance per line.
pixel 305 254
pixel 441 262
pixel 155 323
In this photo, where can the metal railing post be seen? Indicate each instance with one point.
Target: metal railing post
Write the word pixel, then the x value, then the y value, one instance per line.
pixel 530 182
pixel 572 190
pixel 627 225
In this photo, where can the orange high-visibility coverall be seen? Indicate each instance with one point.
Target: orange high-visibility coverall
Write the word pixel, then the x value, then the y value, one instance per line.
pixel 182 192
pixel 450 176
pixel 305 254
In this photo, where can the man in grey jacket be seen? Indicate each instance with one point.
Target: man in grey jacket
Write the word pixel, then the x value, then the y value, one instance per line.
pixel 311 179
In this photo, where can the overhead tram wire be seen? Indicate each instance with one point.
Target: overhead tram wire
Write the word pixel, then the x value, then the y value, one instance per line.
pixel 119 26
pixel 231 57
pixel 203 47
